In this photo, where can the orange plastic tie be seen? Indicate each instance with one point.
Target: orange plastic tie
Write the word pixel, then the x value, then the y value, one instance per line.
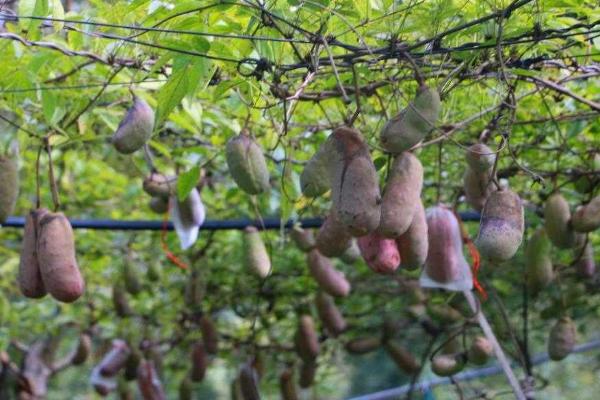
pixel 474 255
pixel 163 242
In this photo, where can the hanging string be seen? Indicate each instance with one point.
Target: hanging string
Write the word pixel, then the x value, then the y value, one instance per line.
pixel 475 256
pixel 165 246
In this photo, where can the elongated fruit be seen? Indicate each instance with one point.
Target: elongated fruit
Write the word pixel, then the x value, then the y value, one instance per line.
pixel 401 195
pixel 477 187
pixel 29 277
pixel 120 302
pixel 380 254
pixel 210 335
pixel 199 362
pixel 308 370
pixel 83 349
pixel 191 209
pixel 303 238
pixel 403 358
pixel 480 351
pixel 287 386
pixel 411 124
pixel 247 164
pixel 363 345
pixel 333 239
pixel 132 364
pixel 56 256
pixel 352 253
pixel 562 339
pixel 255 253
pixel 330 315
pixel 329 279
pixel 159 185
pixel 586 266
pixel 306 340
pixel 556 221
pixel 115 359
pixel 446 364
pixel 445 260
pixel 235 389
pixel 249 382
pixel 315 179
pixel 159 205
pixel 9 189
pixel 135 129
pixel 480 157
pixel 587 218
pixel 186 389
pixel 131 278
pixel 354 183
pixel 194 291
pixel 501 227
pixel 414 243
pixel 539 260
pixel 148 381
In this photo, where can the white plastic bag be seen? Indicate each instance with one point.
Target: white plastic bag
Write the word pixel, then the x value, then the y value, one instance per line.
pixel 187 216
pixel 446 266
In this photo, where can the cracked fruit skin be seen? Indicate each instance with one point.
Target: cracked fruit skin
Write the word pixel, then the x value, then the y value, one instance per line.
pixel 356 199
pixel 247 164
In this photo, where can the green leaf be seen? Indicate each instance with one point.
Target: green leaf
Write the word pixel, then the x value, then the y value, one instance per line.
pixel 380 162
pixel 37 8
pixel 159 147
pixel 51 109
pixel 187 181
pixel 58 12
pixel 188 73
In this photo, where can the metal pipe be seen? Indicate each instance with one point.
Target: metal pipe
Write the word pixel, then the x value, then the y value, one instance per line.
pixel 209 225
pixel 466 375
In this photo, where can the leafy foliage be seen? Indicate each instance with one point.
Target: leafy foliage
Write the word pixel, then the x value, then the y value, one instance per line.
pixel 210 69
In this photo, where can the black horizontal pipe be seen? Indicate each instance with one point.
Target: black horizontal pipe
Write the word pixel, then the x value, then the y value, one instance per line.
pixel 209 225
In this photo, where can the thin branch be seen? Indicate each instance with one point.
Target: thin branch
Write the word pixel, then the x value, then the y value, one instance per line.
pixel 561 89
